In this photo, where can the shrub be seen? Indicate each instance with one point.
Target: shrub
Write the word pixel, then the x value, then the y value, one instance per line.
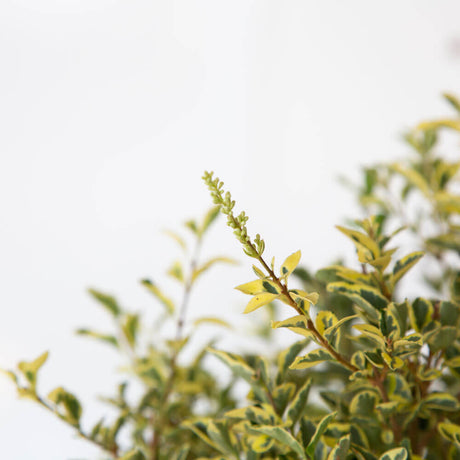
pixel 375 374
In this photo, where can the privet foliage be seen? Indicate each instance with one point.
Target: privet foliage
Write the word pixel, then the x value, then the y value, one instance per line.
pixel 374 374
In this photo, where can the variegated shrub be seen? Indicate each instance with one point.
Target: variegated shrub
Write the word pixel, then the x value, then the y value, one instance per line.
pixel 374 374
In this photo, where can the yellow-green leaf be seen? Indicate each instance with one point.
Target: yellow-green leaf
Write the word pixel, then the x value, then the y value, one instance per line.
pixel 235 363
pixel 361 240
pixel 155 290
pixel 290 264
pixel 400 453
pixel 259 300
pixel 445 123
pixel 403 265
pixel 340 451
pixel 311 359
pixel 283 437
pixel 213 321
pixel 207 265
pixel 297 324
pixel 107 301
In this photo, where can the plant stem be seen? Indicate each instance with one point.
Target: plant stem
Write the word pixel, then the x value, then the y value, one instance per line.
pixel 284 290
pixel 159 423
pixel 112 451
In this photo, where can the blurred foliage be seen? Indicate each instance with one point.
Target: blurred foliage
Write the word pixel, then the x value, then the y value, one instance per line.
pixel 374 375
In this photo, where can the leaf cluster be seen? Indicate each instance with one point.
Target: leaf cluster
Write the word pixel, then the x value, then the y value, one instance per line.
pixel 372 374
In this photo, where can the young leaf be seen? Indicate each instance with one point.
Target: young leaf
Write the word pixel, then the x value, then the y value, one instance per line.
pixel 107 301
pixel 212 320
pixel 207 265
pixel 179 240
pixel 107 338
pixel 176 271
pixel 362 241
pixel 31 368
pixel 209 218
pixel 290 264
pixel 154 289
pixel 130 327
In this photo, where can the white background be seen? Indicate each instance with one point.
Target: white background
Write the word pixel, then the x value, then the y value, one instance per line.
pixel 110 111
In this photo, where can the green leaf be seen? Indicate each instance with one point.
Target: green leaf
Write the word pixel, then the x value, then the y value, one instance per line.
pixel 318 433
pixel 67 404
pixel 209 218
pixel 261 443
pixel 358 360
pixel 400 453
pixel 455 288
pixel 446 241
pixel 312 359
pixel 176 271
pixel 367 298
pixel 324 320
pixel 107 338
pixel 290 264
pixel 199 427
pixel 449 313
pixel 182 454
pixel 339 452
pixel 283 437
pixel 441 337
pixel 392 322
pixel 135 454
pixel 440 401
pixel 287 356
pixel 413 177
pixel 371 332
pixel 154 289
pixel 397 388
pixel 363 403
pixel 235 363
pixel 454 102
pixel 298 403
pixel 282 394
pixel 107 301
pixel 330 332
pixel 402 266
pixel 222 436
pixel 130 327
pixel 420 313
